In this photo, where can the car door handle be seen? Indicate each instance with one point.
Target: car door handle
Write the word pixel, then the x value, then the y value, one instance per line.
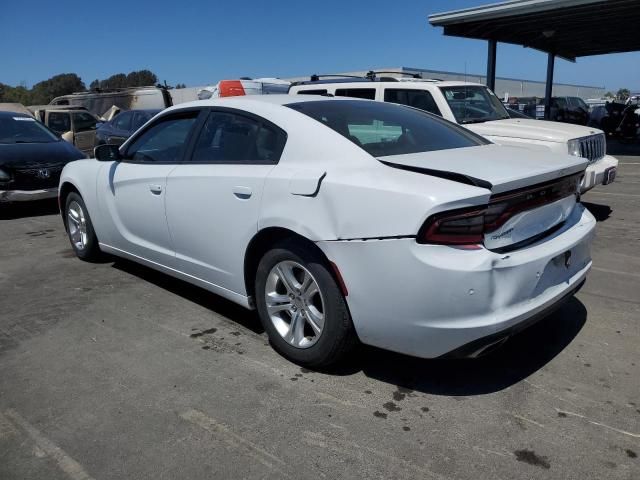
pixel 242 193
pixel 155 189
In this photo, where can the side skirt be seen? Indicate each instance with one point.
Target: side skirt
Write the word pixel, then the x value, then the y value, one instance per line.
pixel 223 292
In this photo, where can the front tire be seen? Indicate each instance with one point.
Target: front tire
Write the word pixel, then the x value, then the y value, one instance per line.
pixel 301 306
pixel 80 229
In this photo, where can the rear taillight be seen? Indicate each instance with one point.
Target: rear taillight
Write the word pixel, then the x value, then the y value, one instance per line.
pixel 231 88
pixel 468 226
pixel 456 227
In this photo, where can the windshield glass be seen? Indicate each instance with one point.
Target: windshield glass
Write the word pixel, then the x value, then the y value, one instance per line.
pixel 474 104
pixel 384 129
pixel 23 129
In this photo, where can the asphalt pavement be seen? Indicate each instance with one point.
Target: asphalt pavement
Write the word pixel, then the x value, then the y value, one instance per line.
pixel 114 371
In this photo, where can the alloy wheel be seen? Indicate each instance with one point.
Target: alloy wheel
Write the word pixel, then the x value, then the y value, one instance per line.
pixel 77 225
pixel 295 304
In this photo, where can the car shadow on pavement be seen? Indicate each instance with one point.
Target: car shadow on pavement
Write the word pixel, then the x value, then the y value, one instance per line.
pixel 247 318
pixel 601 212
pixel 36 208
pixel 522 355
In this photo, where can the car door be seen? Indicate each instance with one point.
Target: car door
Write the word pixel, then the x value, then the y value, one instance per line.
pixel 84 131
pixel 132 190
pixel 213 198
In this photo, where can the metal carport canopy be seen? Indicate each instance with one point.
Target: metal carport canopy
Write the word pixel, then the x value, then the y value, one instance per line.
pixel 565 28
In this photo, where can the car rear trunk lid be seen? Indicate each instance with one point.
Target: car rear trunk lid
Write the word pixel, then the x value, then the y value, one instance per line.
pixel 533 192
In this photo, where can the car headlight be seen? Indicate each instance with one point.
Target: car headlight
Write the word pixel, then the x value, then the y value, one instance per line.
pixel 574 147
pixel 4 176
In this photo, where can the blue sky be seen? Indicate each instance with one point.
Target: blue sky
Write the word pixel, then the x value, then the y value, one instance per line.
pixel 199 42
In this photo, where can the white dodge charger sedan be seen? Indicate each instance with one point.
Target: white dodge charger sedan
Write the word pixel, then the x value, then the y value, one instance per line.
pixel 340 220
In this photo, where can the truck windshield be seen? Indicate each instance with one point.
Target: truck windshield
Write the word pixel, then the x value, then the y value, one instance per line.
pixel 474 104
pixel 383 129
pixel 23 129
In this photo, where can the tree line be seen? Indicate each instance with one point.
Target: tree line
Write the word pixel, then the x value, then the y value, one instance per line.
pixel 65 83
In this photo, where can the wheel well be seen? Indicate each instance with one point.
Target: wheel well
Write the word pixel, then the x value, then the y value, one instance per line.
pixel 65 189
pixel 260 244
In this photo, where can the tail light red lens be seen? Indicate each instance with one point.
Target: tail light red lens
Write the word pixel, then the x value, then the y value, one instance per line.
pixel 468 226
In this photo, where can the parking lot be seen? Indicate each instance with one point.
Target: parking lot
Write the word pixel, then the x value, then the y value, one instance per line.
pixel 112 371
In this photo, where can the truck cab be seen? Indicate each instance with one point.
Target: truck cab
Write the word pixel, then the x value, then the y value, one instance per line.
pixel 477 108
pixel 75 125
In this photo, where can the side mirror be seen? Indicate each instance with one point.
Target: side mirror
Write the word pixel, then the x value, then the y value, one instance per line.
pixel 107 153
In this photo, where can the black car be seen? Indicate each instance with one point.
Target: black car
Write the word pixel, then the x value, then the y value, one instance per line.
pixel 31 158
pixel 118 129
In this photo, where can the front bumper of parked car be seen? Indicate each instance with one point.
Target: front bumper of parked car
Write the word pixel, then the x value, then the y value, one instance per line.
pixel 600 172
pixel 28 195
pixel 431 300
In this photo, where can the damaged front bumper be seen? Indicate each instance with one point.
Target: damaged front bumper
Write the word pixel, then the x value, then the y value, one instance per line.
pixel 429 300
pixel 28 195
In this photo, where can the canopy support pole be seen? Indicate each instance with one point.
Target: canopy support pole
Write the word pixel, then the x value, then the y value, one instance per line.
pixel 491 64
pixel 548 91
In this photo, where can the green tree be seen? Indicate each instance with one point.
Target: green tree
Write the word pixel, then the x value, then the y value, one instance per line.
pixel 623 93
pixel 65 83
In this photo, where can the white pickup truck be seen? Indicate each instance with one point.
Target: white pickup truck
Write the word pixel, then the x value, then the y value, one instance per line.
pixel 477 108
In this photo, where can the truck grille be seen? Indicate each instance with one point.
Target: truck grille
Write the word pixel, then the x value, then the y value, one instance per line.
pixel 593 147
pixel 36 178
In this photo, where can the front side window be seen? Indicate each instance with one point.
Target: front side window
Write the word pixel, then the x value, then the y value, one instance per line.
pixel 384 129
pixel 230 138
pixel 412 98
pixel 474 104
pixel 23 129
pixel 84 121
pixel 59 121
pixel 165 141
pixel 366 93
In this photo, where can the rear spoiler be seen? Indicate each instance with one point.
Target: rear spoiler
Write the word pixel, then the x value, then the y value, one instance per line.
pixel 453 176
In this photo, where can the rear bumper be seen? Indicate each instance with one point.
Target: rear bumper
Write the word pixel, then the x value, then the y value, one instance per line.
pixel 429 300
pixel 27 195
pixel 595 173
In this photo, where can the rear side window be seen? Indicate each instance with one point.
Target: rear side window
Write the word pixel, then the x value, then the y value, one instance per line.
pixel 366 93
pixel 384 129
pixel 412 98
pixel 123 121
pixel 231 138
pixel 165 141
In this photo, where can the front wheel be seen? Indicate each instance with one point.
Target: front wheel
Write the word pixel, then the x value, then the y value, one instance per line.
pixel 80 229
pixel 301 306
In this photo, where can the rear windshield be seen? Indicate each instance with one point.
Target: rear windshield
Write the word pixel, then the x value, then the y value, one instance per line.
pixel 24 129
pixel 384 129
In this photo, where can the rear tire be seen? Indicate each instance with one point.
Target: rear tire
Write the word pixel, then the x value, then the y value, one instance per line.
pixel 301 306
pixel 80 229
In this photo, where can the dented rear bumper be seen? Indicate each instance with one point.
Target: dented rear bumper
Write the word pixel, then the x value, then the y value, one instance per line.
pixel 429 300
